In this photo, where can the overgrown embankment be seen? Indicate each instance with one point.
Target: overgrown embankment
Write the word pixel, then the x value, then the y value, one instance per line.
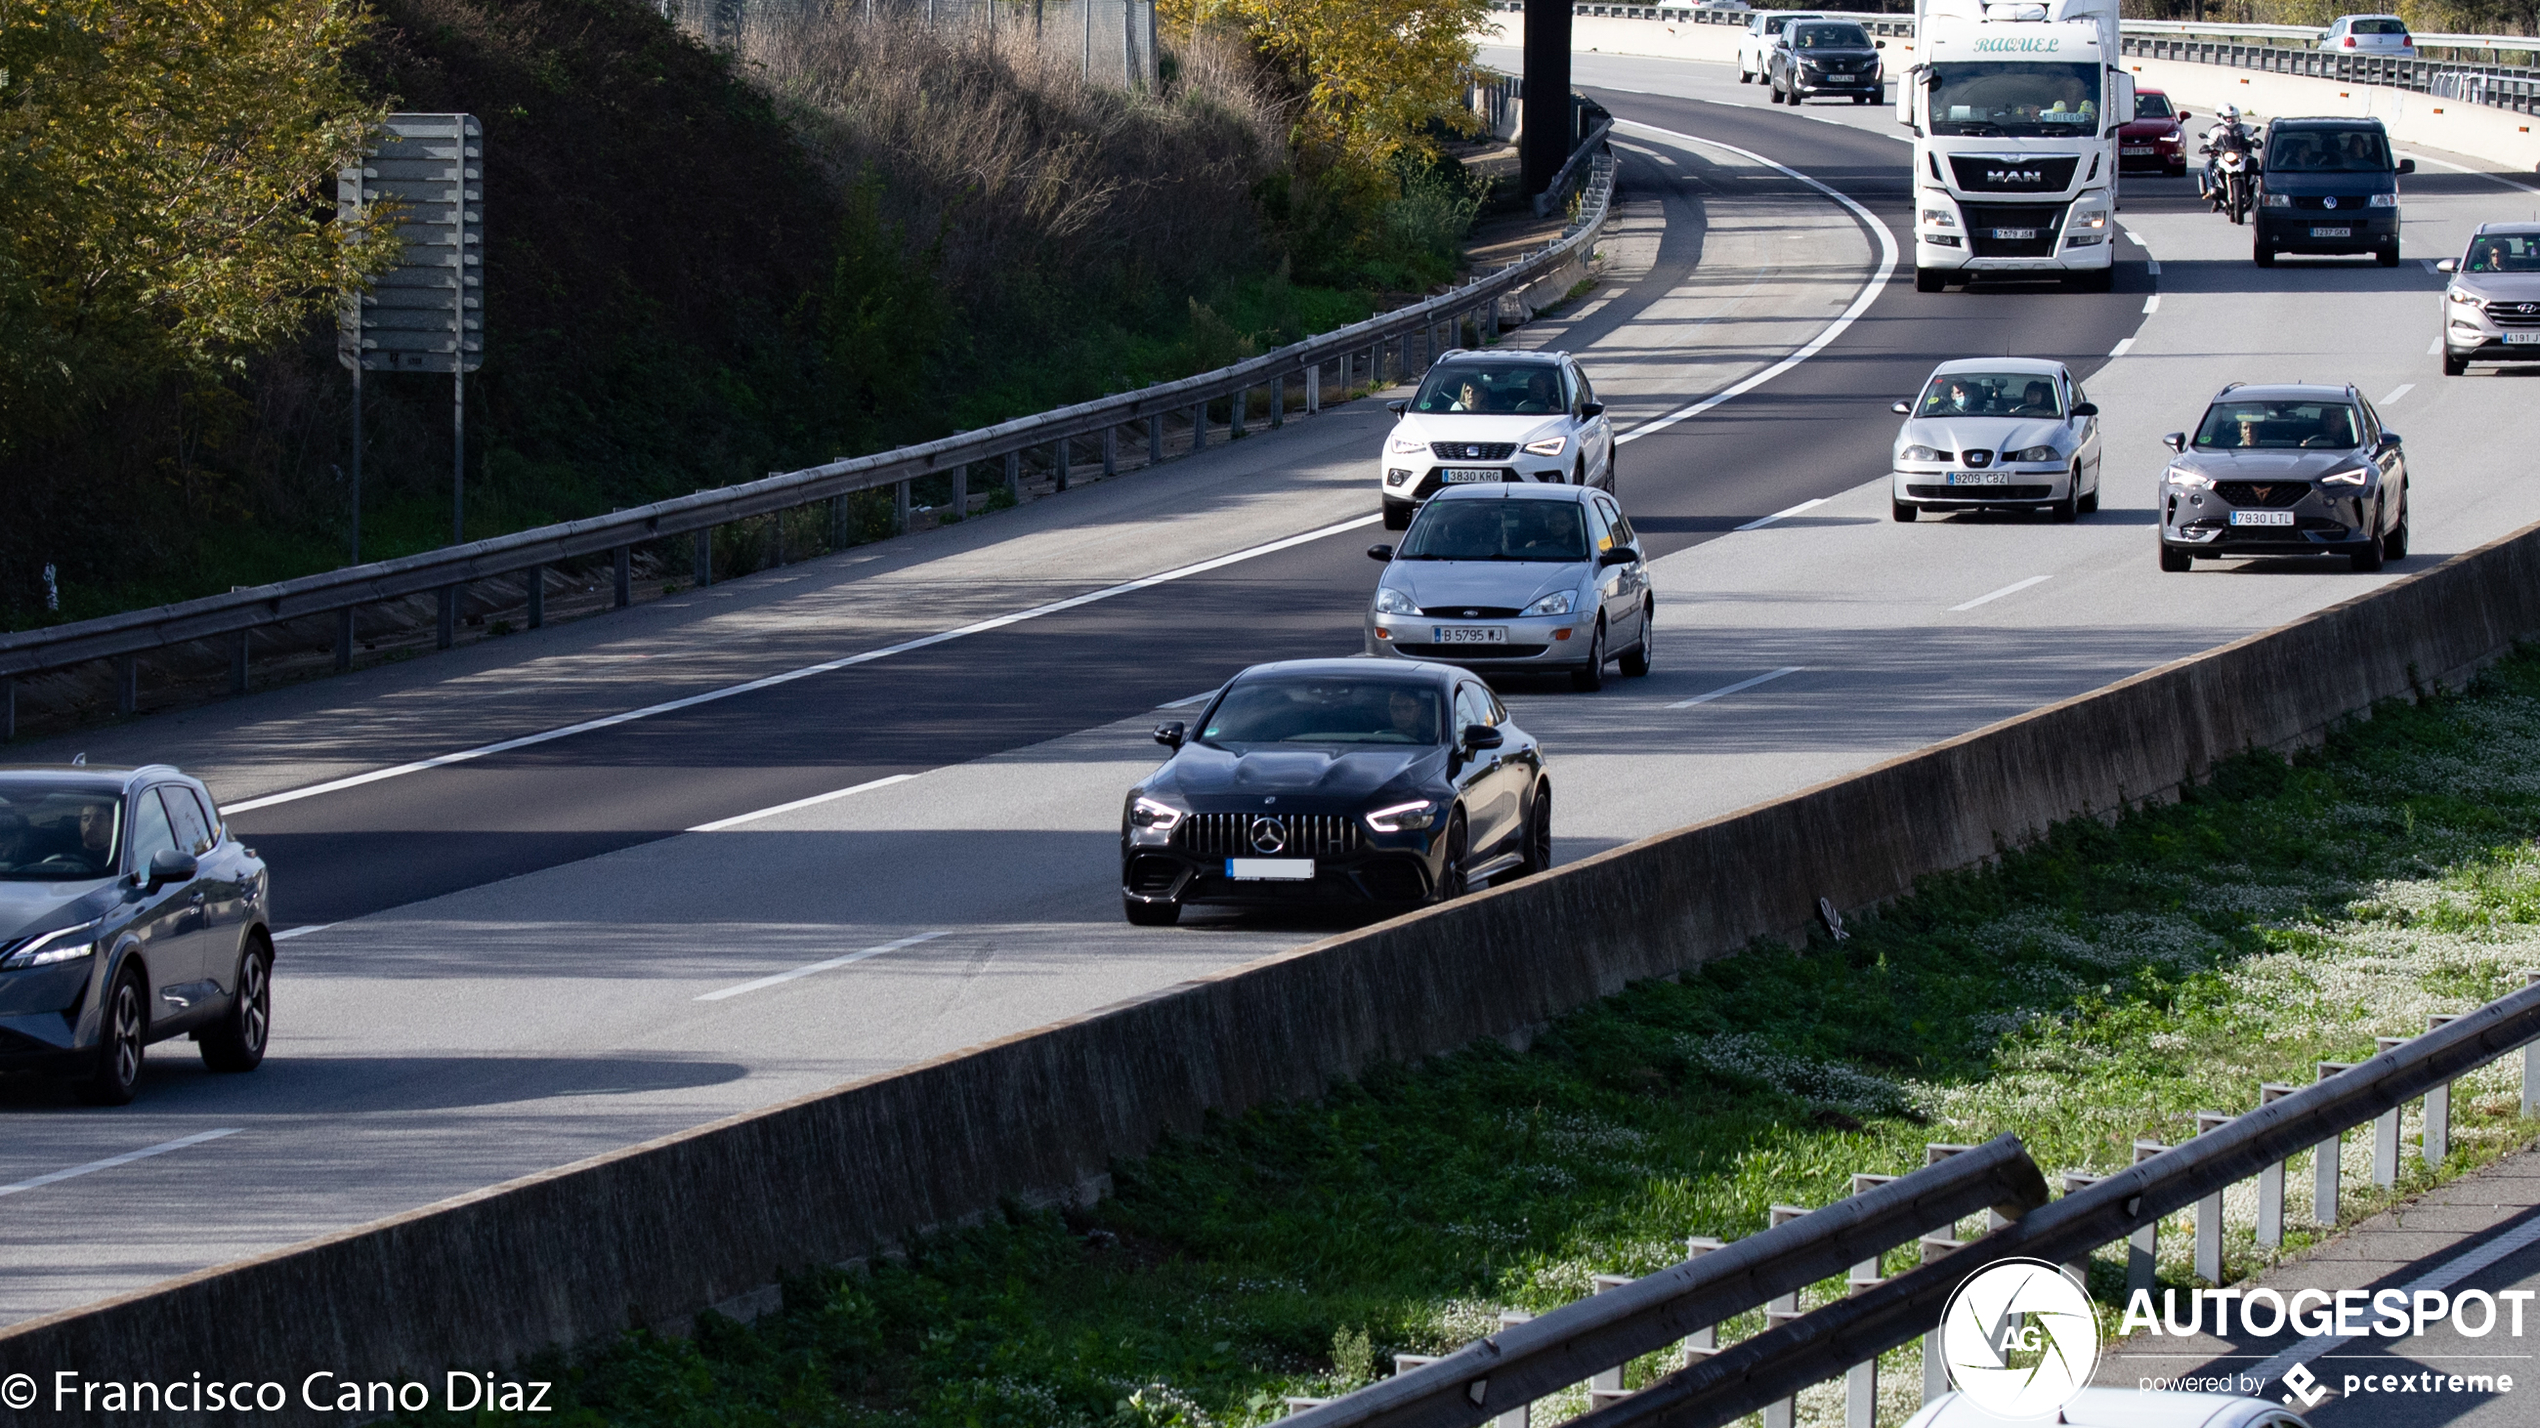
pixel 2104 985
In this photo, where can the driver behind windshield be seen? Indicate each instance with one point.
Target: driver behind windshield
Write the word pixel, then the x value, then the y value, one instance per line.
pixel 56 834
pixel 1539 530
pixel 1324 711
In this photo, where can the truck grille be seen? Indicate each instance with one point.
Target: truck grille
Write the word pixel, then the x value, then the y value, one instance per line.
pixel 2038 173
pixel 2263 494
pixel 1985 220
pixel 1473 450
pixel 1300 835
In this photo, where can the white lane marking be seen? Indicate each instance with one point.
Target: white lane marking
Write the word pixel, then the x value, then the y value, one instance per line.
pixel 2399 391
pixel 979 627
pixel 2151 304
pixel 831 965
pixel 2435 348
pixel 1187 703
pixel 1725 690
pixel 833 795
pixel 110 1162
pixel 2466 169
pixel 1902 138
pixel 2013 588
pixel 2426 263
pixel 1860 303
pixel 2444 1277
pixel 2137 240
pixel 1762 521
pixel 302 931
pixel 2122 344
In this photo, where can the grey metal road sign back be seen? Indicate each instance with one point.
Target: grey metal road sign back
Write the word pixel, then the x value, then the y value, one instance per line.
pixel 427 314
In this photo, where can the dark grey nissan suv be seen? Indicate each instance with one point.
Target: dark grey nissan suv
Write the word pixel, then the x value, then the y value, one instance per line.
pixel 2285 470
pixel 128 915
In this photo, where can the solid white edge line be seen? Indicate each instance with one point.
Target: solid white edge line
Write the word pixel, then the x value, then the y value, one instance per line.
pixel 2013 588
pixel 980 627
pixel 2397 392
pixel 302 931
pixel 816 967
pixel 1724 691
pixel 110 1162
pixel 1762 521
pixel 2451 1272
pixel 2123 344
pixel 833 795
pixel 1860 303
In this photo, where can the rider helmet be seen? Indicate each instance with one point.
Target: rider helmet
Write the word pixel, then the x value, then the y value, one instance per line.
pixel 2230 114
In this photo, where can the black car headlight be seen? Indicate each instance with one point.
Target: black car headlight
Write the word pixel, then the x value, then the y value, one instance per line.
pixel 70 944
pixel 1404 817
pixel 1154 815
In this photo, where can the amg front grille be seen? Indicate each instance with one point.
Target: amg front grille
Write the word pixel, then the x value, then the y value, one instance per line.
pixel 2263 494
pixel 1978 493
pixel 1473 450
pixel 2027 173
pixel 1470 651
pixel 1240 835
pixel 1987 221
pixel 1469 612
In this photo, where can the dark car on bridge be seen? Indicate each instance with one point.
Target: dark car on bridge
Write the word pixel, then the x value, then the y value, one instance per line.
pixel 128 915
pixel 1335 783
pixel 2156 142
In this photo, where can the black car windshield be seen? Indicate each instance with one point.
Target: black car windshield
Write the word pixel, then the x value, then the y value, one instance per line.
pixel 2152 106
pixel 49 833
pixel 1829 37
pixel 1325 711
pixel 1509 389
pixel 2328 151
pixel 1497 530
pixel 2029 99
pixel 1992 394
pixel 2504 253
pixel 2249 426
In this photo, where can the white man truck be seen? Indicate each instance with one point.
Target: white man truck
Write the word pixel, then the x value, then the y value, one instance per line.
pixel 2014 109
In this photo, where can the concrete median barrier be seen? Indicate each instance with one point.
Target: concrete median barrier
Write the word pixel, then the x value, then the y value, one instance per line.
pixel 651 1234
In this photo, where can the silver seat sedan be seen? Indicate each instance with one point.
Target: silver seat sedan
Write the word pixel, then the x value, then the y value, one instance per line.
pixel 1517 578
pixel 1998 433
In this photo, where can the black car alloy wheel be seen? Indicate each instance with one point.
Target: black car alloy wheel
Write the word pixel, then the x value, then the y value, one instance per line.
pixel 1539 832
pixel 1451 872
pixel 122 1024
pixel 238 1042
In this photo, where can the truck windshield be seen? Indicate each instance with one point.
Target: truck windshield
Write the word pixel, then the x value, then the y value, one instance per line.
pixel 2036 100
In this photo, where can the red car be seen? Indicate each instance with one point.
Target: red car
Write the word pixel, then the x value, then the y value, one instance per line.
pixel 2156 142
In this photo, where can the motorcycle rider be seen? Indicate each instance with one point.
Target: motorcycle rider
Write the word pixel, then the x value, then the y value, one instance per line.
pixel 2227 133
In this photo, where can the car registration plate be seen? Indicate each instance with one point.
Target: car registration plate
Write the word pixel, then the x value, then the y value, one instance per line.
pixel 1979 478
pixel 2517 339
pixel 1270 870
pixel 2262 518
pixel 1469 634
pixel 1461 475
pixel 2137 151
pixel 2012 232
pixel 2332 232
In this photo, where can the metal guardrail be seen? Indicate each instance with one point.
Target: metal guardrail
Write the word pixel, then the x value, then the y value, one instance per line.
pixel 2311 35
pixel 1574 171
pixel 2503 86
pixel 1529 1360
pixel 1875 22
pixel 1400 342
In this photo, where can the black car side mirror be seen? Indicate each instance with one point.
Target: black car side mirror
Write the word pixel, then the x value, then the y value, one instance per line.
pixel 1478 737
pixel 2081 409
pixel 1616 555
pixel 169 865
pixel 2175 441
pixel 1902 408
pixel 1397 408
pixel 1380 552
pixel 1878 44
pixel 1169 734
pixel 1591 409
pixel 2407 166
pixel 2391 438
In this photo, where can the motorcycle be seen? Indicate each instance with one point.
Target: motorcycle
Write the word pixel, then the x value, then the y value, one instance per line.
pixel 2231 174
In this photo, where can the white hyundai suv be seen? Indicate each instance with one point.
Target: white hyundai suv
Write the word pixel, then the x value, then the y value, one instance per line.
pixel 1495 416
pixel 1755 43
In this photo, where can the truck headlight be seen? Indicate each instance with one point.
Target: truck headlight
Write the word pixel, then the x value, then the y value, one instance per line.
pixel 1390 601
pixel 1939 218
pixel 2094 220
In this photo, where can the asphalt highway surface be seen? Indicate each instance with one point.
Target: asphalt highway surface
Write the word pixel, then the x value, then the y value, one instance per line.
pixel 872 817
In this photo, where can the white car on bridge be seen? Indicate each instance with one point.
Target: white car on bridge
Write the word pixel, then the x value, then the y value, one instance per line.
pixel 1756 44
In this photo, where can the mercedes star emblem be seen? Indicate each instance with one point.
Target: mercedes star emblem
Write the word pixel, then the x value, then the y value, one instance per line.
pixel 1268 836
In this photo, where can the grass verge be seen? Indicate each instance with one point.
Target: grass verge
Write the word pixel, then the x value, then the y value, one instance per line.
pixel 2106 984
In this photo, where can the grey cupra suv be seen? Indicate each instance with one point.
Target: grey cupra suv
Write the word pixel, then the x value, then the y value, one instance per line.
pixel 2287 470
pixel 128 915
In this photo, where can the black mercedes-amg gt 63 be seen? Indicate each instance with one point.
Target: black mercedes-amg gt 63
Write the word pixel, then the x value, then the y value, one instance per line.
pixel 1336 782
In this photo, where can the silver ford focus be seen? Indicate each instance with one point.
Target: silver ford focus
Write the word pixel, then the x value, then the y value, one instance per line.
pixel 1998 433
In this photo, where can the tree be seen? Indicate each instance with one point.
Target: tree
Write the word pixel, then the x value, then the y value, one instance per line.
pixel 163 191
pixel 1377 74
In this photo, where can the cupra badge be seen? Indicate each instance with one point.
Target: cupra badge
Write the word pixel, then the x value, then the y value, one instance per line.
pixel 2020 1339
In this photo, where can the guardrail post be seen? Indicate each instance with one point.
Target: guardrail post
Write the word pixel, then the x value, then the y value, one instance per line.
pixel 448 632
pixel 1279 401
pixel 1296 1405
pixel 344 639
pixel 1609 1380
pixel 2438 1109
pixel 1199 428
pixel 2209 1212
pixel 775 543
pixel 1314 388
pixel 2270 1230
pixel 1061 455
pixel 537 596
pixel 2326 1173
pixel 1155 439
pixel 1375 366
pixel 702 558
pixel 626 568
pixel 1111 451
pixel 1861 1381
pixel 1521 1416
pixel 960 492
pixel 1014 473
pixel 2385 1129
pixel 841 524
pixel 1702 1343
pixel 238 664
pixel 1237 408
pixel 2142 1248
pixel 127 685
pixel 899 508
pixel 8 708
pixel 2075 1182
pixel 1778 1311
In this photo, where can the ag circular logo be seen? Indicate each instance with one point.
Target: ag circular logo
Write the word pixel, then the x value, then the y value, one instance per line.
pixel 2020 1339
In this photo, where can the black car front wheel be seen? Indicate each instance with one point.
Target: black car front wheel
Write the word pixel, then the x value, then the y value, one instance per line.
pixel 1150 914
pixel 1451 880
pixel 1539 832
pixel 2394 546
pixel 115 1074
pixel 2176 561
pixel 237 1043
pixel 2368 558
